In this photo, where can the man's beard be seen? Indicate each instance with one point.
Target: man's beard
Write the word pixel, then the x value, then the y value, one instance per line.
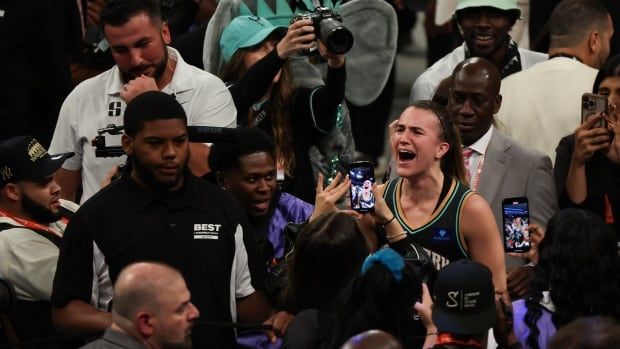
pixel 37 212
pixel 150 180
pixel 160 68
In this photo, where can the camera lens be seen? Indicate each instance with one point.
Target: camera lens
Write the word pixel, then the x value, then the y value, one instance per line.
pixel 336 37
pixel 588 103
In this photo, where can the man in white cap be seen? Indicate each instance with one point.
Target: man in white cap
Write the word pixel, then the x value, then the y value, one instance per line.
pixel 484 25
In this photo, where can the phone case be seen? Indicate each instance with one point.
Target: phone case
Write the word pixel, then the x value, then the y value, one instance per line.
pixel 362 175
pixel 593 104
pixel 516 218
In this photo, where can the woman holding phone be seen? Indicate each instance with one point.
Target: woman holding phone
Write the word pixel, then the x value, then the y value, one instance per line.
pixel 587 170
pixel 429 203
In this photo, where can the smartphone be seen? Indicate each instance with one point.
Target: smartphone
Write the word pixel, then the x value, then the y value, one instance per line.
pixel 516 218
pixel 593 104
pixel 362 175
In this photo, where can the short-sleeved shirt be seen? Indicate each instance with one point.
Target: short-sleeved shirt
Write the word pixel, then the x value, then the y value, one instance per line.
pixel 96 103
pixel 197 229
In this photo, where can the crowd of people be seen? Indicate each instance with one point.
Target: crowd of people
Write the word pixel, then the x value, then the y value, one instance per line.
pixel 177 208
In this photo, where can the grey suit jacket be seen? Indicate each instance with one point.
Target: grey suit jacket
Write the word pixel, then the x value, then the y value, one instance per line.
pixel 512 170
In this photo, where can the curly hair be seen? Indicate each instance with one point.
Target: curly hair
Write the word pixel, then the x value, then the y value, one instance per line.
pixel 579 266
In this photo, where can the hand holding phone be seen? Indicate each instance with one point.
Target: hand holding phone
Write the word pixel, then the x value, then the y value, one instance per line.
pixel 362 176
pixel 592 104
pixel 516 219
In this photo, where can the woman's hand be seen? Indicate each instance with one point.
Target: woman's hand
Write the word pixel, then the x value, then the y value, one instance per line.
pixel 299 36
pixel 613 125
pixel 589 139
pixel 424 309
pixel 536 235
pixel 382 213
pixel 325 200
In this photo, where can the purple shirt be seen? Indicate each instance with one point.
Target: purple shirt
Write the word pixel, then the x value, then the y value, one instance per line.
pixel 544 324
pixel 288 209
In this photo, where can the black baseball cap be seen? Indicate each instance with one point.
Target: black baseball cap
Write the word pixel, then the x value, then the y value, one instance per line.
pixel 464 298
pixel 24 158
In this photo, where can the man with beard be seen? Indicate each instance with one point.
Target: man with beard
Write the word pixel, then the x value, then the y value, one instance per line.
pixel 160 212
pixel 152 309
pixel 32 222
pixel 138 39
pixel 484 25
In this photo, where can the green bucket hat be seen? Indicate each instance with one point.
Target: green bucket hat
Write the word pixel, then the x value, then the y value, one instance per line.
pixel 245 31
pixel 505 5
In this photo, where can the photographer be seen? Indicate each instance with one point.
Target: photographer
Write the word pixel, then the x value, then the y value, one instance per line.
pixel 261 83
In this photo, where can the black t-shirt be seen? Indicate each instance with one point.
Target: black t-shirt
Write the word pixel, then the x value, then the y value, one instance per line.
pixel 602 182
pixel 192 229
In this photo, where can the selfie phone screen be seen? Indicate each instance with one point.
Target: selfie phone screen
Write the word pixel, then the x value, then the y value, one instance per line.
pixel 516 217
pixel 362 175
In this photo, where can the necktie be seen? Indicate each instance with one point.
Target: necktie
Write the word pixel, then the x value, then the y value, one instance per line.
pixel 467 153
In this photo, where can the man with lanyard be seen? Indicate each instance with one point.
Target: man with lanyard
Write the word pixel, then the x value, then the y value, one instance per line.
pixel 158 211
pixel 497 166
pixel 484 25
pixel 32 222
pixel 543 103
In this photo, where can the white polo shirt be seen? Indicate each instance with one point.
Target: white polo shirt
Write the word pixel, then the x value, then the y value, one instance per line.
pixel 96 103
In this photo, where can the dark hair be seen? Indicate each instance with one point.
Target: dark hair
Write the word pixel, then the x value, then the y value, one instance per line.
pixel 249 140
pixel 452 162
pixel 280 99
pixel 328 254
pixel 594 332
pixel 611 68
pixel 377 301
pixel 572 20
pixel 579 265
pixel 149 106
pixel 118 12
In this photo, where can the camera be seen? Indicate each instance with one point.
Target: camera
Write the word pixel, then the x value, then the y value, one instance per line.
pixel 589 104
pixel 328 26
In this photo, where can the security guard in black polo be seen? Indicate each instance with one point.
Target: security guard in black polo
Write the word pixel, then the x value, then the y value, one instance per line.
pixel 158 211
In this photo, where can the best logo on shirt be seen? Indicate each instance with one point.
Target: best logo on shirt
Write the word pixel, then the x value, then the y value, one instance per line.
pixel 206 231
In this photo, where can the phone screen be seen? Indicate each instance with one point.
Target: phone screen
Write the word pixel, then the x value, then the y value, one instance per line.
pixel 362 175
pixel 516 217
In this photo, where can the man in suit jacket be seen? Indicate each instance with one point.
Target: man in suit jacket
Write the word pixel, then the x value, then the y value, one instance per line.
pixel 498 167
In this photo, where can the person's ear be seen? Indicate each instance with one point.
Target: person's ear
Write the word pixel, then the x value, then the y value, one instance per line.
pixel 127 144
pixel 144 324
pixel 165 33
pixel 594 42
pixel 12 191
pixel 442 150
pixel 498 104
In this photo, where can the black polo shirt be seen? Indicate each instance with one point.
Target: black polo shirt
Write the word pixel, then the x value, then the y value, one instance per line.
pixel 197 229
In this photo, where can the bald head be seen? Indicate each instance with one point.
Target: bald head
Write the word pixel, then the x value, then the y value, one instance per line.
pixel 474 97
pixel 479 69
pixel 138 287
pixel 373 339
